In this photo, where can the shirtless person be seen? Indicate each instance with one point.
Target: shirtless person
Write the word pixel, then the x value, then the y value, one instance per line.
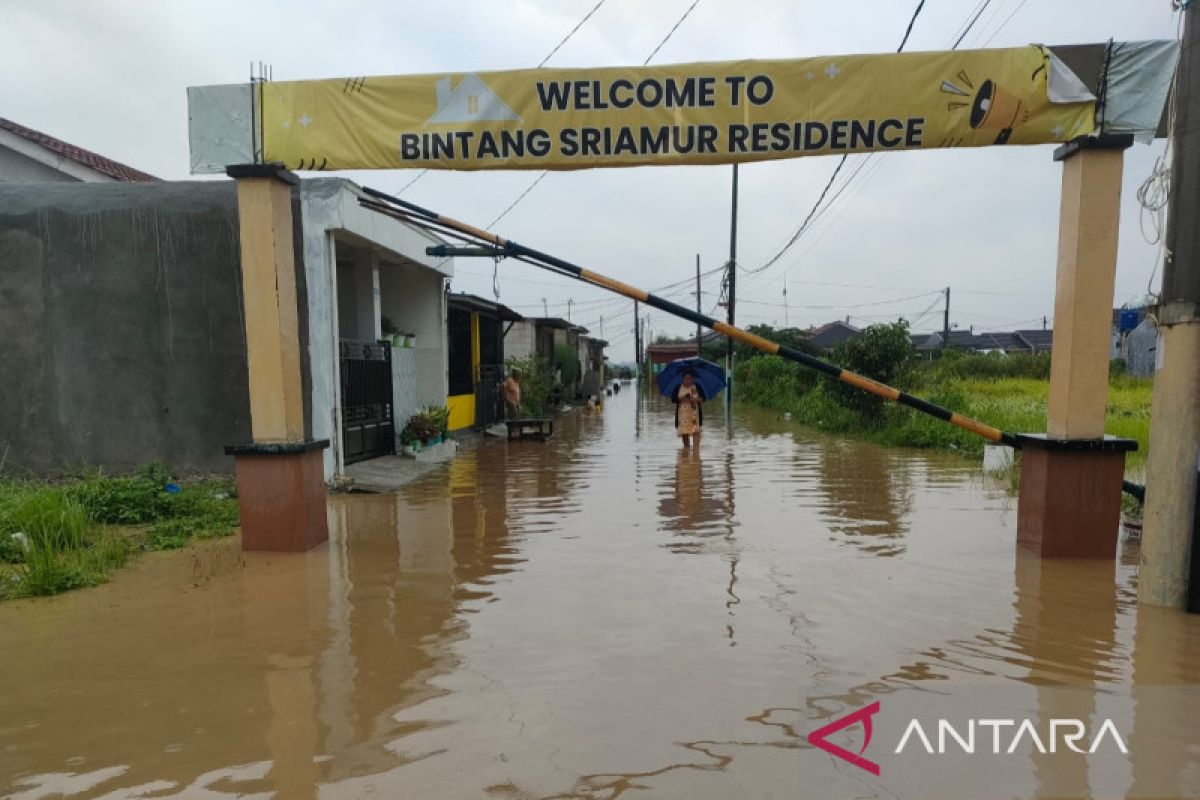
pixel 512 394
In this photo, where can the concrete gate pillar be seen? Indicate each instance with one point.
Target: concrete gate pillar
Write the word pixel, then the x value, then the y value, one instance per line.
pixel 280 480
pixel 1070 497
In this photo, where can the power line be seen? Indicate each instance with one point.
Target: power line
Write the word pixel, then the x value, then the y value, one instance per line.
pixel 971 24
pixel 653 52
pixel 671 32
pixel 815 212
pixel 841 163
pixel 572 32
pixel 541 64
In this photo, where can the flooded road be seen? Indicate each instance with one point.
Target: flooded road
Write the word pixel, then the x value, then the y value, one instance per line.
pixel 603 616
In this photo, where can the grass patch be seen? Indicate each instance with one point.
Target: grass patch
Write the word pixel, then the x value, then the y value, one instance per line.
pixel 984 387
pixel 57 537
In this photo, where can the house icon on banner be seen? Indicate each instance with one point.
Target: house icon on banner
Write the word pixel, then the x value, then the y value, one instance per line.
pixel 471 101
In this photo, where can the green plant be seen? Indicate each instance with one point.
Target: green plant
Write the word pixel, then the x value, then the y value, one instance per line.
pixel 419 428
pixel 882 352
pixel 439 416
pixel 537 385
pixel 566 362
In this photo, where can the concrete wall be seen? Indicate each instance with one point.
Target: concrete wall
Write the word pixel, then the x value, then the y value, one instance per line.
pixel 121 323
pixel 521 341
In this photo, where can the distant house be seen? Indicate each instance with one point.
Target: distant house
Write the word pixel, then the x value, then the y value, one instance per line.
pixel 29 156
pixel 591 356
pixel 828 336
pixel 1007 342
pixel 662 353
pixel 475 364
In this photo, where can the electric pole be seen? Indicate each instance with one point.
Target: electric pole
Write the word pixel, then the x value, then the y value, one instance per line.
pixel 637 340
pixel 731 282
pixel 1169 554
pixel 569 302
pixel 698 311
pixel 946 322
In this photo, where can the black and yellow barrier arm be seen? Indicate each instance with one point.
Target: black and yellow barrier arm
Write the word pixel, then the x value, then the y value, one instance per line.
pixel 501 247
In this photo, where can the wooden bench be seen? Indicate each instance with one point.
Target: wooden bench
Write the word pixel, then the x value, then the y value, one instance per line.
pixel 540 429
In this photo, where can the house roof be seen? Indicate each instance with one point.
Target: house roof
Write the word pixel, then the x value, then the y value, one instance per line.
pixel 1036 338
pixel 94 161
pixel 481 305
pixel 557 322
pixel 831 334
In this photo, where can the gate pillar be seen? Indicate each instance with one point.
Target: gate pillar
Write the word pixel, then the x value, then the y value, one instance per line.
pixel 1070 497
pixel 280 477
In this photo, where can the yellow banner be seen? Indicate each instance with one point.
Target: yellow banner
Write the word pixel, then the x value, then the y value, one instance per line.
pixel 706 113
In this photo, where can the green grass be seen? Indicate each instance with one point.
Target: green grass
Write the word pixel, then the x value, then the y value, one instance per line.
pixel 57 537
pixel 1015 404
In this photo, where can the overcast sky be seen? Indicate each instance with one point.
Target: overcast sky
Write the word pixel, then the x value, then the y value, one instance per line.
pixel 111 76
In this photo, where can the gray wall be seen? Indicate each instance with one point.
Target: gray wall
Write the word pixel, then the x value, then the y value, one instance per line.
pixel 121 324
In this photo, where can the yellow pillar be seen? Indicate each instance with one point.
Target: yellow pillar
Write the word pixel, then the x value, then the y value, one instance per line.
pixel 1070 499
pixel 280 479
pixel 1087 268
pixel 269 300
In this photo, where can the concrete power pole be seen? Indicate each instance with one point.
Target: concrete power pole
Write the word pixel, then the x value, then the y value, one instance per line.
pixel 1169 553
pixel 732 297
pixel 698 311
pixel 946 322
pixel 637 341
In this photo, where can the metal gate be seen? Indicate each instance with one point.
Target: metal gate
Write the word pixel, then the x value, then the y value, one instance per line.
pixel 489 402
pixel 368 428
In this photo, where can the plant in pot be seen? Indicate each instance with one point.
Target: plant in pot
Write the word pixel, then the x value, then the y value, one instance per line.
pixel 390 332
pixel 440 417
pixel 419 430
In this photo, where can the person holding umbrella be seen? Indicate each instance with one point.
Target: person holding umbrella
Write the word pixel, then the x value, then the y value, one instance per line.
pixel 689 382
pixel 689 409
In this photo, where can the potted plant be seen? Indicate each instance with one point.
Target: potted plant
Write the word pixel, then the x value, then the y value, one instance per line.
pixel 1131 518
pixel 439 416
pixel 390 332
pixel 420 430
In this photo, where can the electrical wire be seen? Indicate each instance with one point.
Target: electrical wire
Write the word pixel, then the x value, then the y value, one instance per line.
pixel 541 64
pixel 841 163
pixel 541 177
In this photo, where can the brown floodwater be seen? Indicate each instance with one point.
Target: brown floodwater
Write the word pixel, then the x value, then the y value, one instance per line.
pixel 602 616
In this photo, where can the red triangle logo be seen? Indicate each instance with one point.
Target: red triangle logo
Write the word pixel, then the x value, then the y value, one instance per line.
pixel 818 737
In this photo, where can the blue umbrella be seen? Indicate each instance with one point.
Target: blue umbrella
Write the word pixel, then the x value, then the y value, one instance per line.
pixel 708 376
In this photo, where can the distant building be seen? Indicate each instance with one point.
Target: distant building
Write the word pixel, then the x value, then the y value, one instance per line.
pixel 29 156
pixel 662 353
pixel 828 336
pixel 475 335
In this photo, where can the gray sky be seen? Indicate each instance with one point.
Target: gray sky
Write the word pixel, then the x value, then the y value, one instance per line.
pixel 111 76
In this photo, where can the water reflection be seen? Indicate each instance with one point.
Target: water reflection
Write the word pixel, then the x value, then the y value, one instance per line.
pixel 603 615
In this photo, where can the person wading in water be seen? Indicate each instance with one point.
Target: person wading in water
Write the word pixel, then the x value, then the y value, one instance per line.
pixel 689 410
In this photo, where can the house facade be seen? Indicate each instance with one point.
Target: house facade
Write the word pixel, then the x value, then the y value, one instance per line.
pixel 476 337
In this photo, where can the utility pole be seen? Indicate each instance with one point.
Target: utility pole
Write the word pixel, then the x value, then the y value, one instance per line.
pixel 1169 553
pixel 569 302
pixel 637 341
pixel 698 311
pixel 731 282
pixel 946 321
pixel 545 309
